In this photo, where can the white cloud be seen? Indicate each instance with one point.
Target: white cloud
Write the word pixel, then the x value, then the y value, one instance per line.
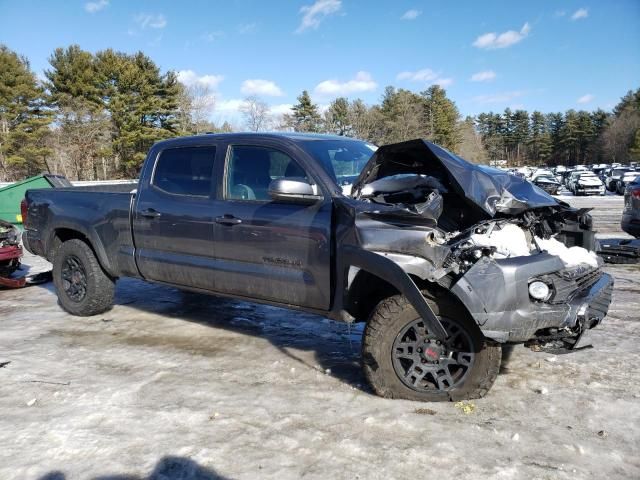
pixel 500 97
pixel 484 76
pixel 189 78
pixel 260 87
pixel 246 28
pixel 313 15
pixel 362 82
pixel 559 13
pixel 443 82
pixel 588 98
pixel 212 36
pixel 493 40
pixel 93 7
pixel 231 106
pixel 424 75
pixel 281 109
pixel 151 20
pixel 580 13
pixel 411 14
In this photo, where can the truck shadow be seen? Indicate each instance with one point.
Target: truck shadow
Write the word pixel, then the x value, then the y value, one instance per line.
pixel 168 468
pixel 335 345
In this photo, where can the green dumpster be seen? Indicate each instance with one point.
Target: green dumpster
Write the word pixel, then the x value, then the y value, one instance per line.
pixel 12 195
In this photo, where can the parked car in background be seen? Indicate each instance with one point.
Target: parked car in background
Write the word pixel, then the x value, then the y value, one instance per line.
pixel 614 177
pixel 566 176
pixel 585 183
pixel 625 179
pixel 631 211
pixel 547 182
pixel 598 169
pixel 559 172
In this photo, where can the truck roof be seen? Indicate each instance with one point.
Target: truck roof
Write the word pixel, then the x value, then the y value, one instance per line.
pixel 291 136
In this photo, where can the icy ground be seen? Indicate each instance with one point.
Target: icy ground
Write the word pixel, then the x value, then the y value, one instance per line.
pixel 179 386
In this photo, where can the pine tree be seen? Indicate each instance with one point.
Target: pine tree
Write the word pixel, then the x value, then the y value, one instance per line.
pixel 73 79
pixel 305 114
pixel 555 124
pixel 23 119
pixel 82 128
pixel 520 135
pixel 539 144
pixel 400 119
pixel 441 117
pixel 141 102
pixel 490 126
pixel 337 118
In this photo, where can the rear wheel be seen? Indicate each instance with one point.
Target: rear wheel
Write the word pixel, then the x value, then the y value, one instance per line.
pixel 83 288
pixel 402 359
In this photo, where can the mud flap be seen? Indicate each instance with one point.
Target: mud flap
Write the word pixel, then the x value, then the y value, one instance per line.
pixel 390 271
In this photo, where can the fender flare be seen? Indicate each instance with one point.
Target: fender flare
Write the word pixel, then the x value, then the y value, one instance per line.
pixel 90 235
pixel 393 273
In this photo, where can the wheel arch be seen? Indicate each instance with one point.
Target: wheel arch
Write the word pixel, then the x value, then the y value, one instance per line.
pixel 373 277
pixel 63 233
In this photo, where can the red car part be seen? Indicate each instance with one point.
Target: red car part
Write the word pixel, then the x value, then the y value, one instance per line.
pixel 7 254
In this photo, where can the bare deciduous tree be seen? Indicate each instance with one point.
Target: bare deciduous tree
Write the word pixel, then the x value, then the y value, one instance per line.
pixel 196 104
pixel 620 134
pixel 256 113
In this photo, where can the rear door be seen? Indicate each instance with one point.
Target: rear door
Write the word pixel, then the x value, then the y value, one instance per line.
pixel 172 223
pixel 266 249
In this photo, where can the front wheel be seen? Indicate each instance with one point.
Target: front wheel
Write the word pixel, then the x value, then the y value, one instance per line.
pixel 402 359
pixel 83 288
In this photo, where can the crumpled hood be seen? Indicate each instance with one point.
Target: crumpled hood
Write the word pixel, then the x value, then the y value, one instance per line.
pixel 492 190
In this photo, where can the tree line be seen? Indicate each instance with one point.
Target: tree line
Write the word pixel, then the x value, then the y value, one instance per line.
pixel 94 116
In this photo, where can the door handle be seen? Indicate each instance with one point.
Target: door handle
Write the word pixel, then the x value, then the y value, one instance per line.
pixel 150 213
pixel 228 220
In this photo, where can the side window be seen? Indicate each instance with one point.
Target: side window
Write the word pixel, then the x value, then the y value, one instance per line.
pixel 250 170
pixel 185 170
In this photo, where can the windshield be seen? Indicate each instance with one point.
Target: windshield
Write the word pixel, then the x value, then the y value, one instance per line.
pixel 343 160
pixel 619 171
pixel 547 178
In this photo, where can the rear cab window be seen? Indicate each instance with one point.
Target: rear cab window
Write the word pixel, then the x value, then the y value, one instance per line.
pixel 185 171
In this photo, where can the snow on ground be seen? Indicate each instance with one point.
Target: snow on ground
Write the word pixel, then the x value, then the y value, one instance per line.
pixel 177 385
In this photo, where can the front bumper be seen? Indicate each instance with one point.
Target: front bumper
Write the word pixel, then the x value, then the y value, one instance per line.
pixel 584 190
pixel 497 297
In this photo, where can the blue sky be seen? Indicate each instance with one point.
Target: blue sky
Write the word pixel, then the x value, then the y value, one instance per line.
pixel 545 55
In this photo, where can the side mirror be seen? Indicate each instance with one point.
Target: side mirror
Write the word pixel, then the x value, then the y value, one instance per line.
pixel 294 190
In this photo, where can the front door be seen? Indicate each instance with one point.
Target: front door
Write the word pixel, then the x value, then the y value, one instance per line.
pixel 265 249
pixel 173 229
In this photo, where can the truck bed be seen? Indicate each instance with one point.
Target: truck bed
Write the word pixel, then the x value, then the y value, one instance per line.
pixel 100 212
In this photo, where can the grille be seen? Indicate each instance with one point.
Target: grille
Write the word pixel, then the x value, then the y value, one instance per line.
pixel 570 281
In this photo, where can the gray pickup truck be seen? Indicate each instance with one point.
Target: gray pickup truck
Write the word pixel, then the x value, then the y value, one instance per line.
pixel 441 258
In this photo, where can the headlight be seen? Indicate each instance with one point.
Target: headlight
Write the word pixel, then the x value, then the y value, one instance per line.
pixel 539 290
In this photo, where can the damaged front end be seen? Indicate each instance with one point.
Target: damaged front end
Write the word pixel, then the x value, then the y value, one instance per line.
pixel 511 253
pixel 10 252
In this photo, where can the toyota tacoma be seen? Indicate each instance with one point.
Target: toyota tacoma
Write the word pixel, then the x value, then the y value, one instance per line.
pixel 444 260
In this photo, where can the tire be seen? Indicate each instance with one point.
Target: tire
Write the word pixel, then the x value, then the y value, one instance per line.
pixel 83 287
pixel 385 328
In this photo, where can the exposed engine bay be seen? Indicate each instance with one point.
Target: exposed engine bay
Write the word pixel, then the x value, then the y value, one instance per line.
pixel 474 211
